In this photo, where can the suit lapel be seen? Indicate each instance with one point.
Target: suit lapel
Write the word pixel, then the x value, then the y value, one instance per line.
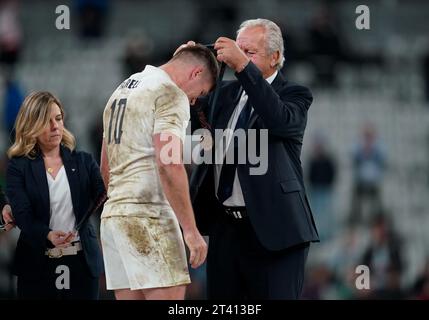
pixel 224 112
pixel 39 174
pixel 276 84
pixel 71 167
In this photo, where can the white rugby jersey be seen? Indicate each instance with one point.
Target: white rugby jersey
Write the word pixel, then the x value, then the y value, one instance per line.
pixel 145 104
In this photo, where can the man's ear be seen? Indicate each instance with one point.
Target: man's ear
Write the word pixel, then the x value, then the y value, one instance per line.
pixel 196 72
pixel 274 58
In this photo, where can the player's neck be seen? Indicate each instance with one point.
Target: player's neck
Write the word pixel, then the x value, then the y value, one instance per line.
pixel 172 70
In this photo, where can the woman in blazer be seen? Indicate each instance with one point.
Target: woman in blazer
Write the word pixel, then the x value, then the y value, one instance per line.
pixel 50 187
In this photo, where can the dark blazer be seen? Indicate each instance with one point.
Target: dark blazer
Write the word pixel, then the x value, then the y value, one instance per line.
pixel 2 199
pixel 276 202
pixel 28 193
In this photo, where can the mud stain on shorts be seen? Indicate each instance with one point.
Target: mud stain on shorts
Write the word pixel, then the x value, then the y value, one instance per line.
pixel 170 242
pixel 137 234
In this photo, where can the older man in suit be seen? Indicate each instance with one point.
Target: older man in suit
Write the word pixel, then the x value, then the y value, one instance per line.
pixel 259 226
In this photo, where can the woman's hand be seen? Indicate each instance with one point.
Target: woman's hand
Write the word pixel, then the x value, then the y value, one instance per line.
pixel 8 218
pixel 61 239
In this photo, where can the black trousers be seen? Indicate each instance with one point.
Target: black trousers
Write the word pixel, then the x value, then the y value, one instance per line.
pixel 81 284
pixel 239 267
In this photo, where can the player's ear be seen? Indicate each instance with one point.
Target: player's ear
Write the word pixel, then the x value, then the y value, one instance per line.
pixel 196 72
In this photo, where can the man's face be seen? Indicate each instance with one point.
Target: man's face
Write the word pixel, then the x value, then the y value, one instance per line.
pixel 252 41
pixel 197 86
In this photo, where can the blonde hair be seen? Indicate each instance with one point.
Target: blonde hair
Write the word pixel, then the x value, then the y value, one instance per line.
pixel 33 117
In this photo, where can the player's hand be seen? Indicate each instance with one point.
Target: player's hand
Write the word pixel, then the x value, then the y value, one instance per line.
pixel 229 52
pixel 61 239
pixel 197 247
pixel 188 44
pixel 8 218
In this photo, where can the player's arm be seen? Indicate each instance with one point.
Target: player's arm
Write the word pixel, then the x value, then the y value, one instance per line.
pixel 104 165
pixel 172 173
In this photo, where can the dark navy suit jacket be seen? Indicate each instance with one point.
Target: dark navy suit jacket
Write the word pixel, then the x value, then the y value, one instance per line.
pixel 276 202
pixel 2 199
pixel 28 193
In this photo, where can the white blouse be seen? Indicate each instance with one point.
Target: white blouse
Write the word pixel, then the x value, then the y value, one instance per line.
pixel 62 214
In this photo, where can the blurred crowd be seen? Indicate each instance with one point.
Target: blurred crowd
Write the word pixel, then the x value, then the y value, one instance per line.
pixel 366 236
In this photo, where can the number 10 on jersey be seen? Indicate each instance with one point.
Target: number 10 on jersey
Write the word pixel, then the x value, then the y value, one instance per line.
pixel 118 119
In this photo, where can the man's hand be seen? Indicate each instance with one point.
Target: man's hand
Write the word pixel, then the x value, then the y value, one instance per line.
pixel 174 182
pixel 188 44
pixel 197 247
pixel 229 52
pixel 8 218
pixel 61 239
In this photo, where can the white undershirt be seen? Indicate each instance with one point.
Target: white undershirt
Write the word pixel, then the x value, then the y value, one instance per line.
pixel 236 199
pixel 62 215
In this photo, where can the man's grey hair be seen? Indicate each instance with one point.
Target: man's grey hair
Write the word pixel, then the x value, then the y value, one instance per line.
pixel 273 36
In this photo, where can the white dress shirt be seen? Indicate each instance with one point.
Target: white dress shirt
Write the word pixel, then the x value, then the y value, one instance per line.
pixel 62 214
pixel 236 199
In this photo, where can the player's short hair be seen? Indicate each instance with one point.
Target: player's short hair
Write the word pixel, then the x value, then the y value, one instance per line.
pixel 202 54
